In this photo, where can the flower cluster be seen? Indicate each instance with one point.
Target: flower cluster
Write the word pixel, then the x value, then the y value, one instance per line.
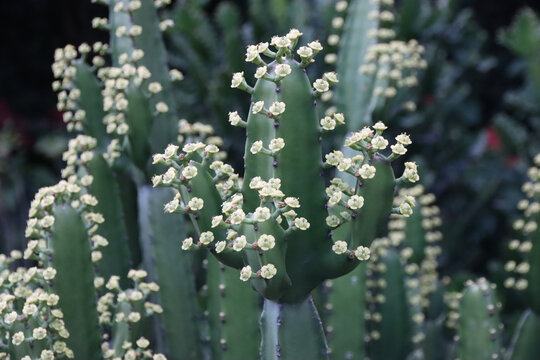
pixel 518 267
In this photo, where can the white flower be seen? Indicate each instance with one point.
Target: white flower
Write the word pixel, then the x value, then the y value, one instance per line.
pixel 379 143
pixel 220 246
pixel 251 53
pixel 171 206
pixel 315 45
pixel 196 204
pixel 304 52
pixel 321 85
pixel 245 273
pixel 403 139
pixel 49 273
pixel 283 70
pixel 367 171
pixel 411 172
pixel 189 172
pixel 355 202
pixel 17 338
pixel 294 34
pixel 331 77
pixel 261 214
pixel 277 108
pixel 206 237
pixel 379 126
pixel 237 217
pixel 334 158
pixel 237 79
pixel 292 202
pixel 170 151
pixel 256 147
pixel 339 247
pixel 281 41
pixel 332 221
pixel 398 149
pixel 301 223
pixel 154 87
pixel 405 209
pixel 328 123
pixel 239 243
pixel 169 175
pixel 268 271
pixel 187 243
pixel 161 107
pixel 362 253
pixel 39 333
pixel 276 144
pixel 257 107
pixel 216 220
pixel 261 71
pixel 266 242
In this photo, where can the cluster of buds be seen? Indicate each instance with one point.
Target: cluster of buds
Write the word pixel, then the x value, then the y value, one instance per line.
pixel 118 307
pixel 29 310
pixel 424 264
pixel 73 191
pixel 527 226
pixel 274 205
pixel 65 67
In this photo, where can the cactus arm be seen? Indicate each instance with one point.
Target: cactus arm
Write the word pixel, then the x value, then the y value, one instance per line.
pixel 259 127
pixel 345 319
pixel 203 186
pixel 116 256
pixel 393 339
pixel 128 196
pixel 355 90
pixel 298 167
pixel 525 344
pixel 479 333
pixel 233 311
pixel 281 326
pixel 228 19
pixel 533 258
pixel 74 282
pixel 139 119
pixel 91 101
pixel 172 270
pixel 119 44
pixel 151 42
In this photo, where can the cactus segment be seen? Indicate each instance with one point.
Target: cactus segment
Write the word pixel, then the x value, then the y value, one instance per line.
pixel 139 119
pixel 525 344
pixel 21 350
pixel 74 282
pixel 390 330
pixel 116 256
pixel 229 21
pixel 128 196
pixel 91 101
pixel 233 313
pixel 202 186
pixel 292 331
pixel 479 327
pixel 119 44
pixel 415 236
pixel 259 127
pixel 355 90
pixel 173 273
pixel 434 344
pixel 299 168
pixel 345 315
pixel 533 259
pixel 151 42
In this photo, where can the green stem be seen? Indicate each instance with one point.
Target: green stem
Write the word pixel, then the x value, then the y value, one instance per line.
pixel 292 331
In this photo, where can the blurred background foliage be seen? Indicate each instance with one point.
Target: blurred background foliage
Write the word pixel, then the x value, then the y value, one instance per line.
pixel 475 130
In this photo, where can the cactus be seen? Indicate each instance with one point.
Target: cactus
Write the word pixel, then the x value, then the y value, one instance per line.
pixel 523 272
pixel 479 327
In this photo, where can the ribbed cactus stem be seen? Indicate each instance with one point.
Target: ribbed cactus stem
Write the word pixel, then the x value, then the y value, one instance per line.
pixel 292 331
pixel 479 326
pixel 172 271
pixel 74 282
pixel 233 311
pixel 525 344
